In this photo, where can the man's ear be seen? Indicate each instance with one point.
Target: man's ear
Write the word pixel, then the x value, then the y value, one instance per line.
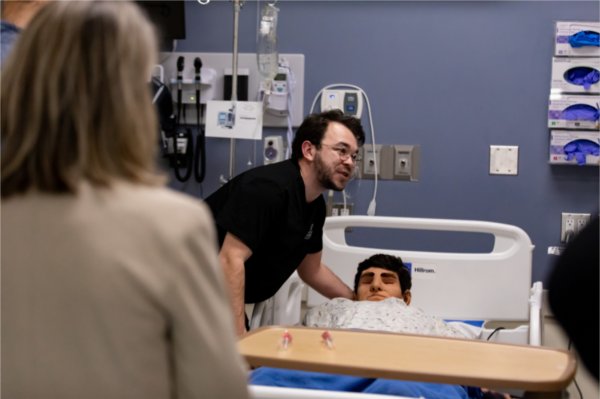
pixel 308 150
pixel 406 295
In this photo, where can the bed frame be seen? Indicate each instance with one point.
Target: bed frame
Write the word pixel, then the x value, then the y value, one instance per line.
pixel 491 286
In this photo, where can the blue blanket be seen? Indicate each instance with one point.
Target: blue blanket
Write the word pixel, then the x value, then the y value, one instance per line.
pixel 334 382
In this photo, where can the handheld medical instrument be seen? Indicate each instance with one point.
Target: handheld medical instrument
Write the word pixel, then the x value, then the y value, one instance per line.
pixel 163 102
pixel 200 157
pixel 183 149
pixel 180 64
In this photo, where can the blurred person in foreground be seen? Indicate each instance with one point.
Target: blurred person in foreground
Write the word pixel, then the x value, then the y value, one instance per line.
pixel 110 289
pixel 574 283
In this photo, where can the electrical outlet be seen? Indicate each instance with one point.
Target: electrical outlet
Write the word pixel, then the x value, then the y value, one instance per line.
pixel 571 224
pixel 339 209
pixel 581 222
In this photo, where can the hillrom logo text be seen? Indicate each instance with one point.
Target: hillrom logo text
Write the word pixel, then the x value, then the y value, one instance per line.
pixel 424 272
pixel 420 269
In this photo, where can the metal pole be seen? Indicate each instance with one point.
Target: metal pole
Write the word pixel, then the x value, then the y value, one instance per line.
pixel 234 74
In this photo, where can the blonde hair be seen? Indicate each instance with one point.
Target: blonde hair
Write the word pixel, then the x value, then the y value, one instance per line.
pixel 76 101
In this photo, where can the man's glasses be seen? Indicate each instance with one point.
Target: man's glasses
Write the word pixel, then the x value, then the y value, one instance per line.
pixel 344 153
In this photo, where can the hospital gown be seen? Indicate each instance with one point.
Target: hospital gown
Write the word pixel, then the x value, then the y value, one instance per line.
pixel 391 314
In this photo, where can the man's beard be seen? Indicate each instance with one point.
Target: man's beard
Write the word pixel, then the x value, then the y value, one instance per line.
pixel 325 175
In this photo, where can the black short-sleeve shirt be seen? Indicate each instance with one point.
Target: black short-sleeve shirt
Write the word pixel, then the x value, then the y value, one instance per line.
pixel 266 209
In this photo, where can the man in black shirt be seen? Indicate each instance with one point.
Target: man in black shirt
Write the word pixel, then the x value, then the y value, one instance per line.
pixel 270 219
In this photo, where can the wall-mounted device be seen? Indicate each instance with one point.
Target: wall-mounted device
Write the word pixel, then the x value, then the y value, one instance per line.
pixel 182 156
pixel 188 86
pixel 394 162
pixel 371 161
pixel 349 101
pixel 406 162
pixel 177 138
pixel 276 99
pixel 215 66
pixel 273 149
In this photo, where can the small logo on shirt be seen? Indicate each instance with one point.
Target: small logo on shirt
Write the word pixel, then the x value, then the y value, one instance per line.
pixel 309 234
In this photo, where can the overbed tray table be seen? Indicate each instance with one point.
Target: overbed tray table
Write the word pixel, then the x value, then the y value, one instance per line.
pixel 412 357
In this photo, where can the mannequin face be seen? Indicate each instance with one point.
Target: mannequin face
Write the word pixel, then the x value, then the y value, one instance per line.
pixel 377 284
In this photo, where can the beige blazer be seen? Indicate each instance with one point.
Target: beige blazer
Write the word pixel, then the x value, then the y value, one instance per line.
pixel 114 294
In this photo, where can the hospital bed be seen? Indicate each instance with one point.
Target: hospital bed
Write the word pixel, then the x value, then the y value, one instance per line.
pixel 492 285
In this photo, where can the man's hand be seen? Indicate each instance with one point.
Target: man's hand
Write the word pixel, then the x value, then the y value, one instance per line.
pixel 322 279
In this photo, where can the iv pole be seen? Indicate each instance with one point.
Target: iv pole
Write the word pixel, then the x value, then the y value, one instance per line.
pixel 236 16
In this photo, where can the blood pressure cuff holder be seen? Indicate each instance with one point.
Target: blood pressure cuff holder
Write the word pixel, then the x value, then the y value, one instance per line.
pixel 585 38
pixel 580 112
pixel 582 76
pixel 578 149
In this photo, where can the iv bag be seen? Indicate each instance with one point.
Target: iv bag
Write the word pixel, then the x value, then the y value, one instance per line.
pixel 267 42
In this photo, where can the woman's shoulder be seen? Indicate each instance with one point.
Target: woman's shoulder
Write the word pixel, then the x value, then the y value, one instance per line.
pixel 156 196
pixel 149 207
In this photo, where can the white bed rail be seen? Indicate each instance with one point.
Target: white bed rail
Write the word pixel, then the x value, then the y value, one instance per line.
pixel 467 286
pixel 536 321
pixel 494 285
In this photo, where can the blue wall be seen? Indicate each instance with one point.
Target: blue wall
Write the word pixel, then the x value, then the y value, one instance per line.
pixel 454 77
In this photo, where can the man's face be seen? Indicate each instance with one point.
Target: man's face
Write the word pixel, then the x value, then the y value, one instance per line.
pixel 334 163
pixel 377 284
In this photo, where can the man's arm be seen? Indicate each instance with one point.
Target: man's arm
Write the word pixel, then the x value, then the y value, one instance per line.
pixel 233 255
pixel 322 279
